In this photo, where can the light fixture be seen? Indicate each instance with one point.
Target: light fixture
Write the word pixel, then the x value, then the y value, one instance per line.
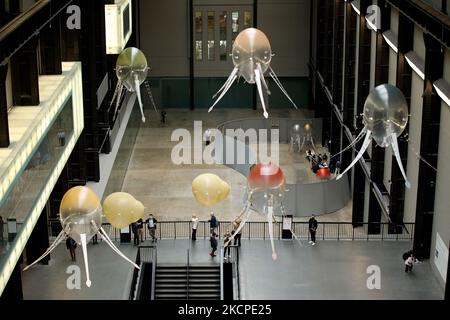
pixel 118 23
pixel 391 39
pixel 357 6
pixel 443 89
pixel 416 63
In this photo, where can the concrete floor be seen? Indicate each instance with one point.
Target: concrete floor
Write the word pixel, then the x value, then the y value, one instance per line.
pixel 165 188
pixel 331 270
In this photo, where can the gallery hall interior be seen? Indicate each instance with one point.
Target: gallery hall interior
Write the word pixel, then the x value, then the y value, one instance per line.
pixel 224 150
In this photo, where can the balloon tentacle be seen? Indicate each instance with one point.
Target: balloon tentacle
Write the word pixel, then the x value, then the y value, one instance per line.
pixel 360 154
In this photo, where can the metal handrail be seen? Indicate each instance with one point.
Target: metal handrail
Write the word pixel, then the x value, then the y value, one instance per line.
pixel 187 274
pixel 338 231
pixel 154 263
pixel 221 273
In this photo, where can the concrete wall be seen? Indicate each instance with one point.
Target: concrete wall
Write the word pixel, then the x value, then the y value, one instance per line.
pixel 287 24
pixel 441 221
pixel 164 37
pixel 415 132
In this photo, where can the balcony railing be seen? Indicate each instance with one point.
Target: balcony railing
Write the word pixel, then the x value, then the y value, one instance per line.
pixel 327 231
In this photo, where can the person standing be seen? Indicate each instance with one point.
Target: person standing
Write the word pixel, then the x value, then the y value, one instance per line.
pixel 134 229
pixel 213 241
pixel 237 236
pixel 313 229
pixel 140 229
pixel 213 223
pixel 71 246
pixel 194 221
pixel 151 224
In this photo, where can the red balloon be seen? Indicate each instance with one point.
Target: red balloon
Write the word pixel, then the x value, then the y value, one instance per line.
pixel 265 176
pixel 323 173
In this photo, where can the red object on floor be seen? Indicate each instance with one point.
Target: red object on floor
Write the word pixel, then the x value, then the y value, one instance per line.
pixel 323 173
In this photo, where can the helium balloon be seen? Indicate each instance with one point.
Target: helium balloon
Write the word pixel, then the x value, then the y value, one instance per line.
pixel 324 173
pixel 131 71
pixel 138 211
pixel 118 208
pixel 209 190
pixel 252 55
pixel 81 219
pixel 266 185
pixel 79 207
pixel 385 118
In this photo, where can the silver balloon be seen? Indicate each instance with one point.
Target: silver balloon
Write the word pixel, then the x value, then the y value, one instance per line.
pixel 131 65
pixel 385 118
pixel 296 129
pixel 251 55
pixel 132 70
pixel 385 113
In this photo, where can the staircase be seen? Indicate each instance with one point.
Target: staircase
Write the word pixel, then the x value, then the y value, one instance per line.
pixel 175 282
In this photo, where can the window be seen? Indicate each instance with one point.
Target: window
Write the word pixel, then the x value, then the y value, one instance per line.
pixel 198 22
pixel 223 35
pixel 198 50
pixel 211 35
pixel 198 36
pixel 247 19
pixel 235 21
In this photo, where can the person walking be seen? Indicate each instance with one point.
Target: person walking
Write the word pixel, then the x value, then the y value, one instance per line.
pixel 194 221
pixel 313 229
pixel 213 223
pixel 71 246
pixel 151 224
pixel 214 243
pixel 409 263
pixel 237 236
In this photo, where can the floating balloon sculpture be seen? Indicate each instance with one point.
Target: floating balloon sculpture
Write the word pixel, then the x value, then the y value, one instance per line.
pixel 265 193
pixel 81 219
pixel 131 71
pixel 385 118
pixel 209 190
pixel 302 137
pixel 251 56
pixel 122 209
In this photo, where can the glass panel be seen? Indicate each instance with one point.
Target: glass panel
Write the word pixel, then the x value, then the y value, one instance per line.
pixel 235 21
pixel 198 22
pixel 22 198
pixel 223 35
pixel 198 50
pixel 211 31
pixel 247 19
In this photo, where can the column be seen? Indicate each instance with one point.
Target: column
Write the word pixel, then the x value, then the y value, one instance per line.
pixel 38 242
pixel 4 126
pixel 431 118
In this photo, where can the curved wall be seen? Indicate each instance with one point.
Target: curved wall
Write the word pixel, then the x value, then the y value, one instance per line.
pixel 303 199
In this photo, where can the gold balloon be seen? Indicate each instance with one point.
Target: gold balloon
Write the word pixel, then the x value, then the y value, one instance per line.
pixel 209 189
pixel 137 211
pixel 119 209
pixel 81 213
pixel 79 201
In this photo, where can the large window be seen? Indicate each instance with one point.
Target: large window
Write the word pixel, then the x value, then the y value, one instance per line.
pixel 22 198
pixel 215 29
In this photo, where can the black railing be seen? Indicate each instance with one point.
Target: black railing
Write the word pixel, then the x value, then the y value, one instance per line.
pixel 145 254
pixel 337 231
